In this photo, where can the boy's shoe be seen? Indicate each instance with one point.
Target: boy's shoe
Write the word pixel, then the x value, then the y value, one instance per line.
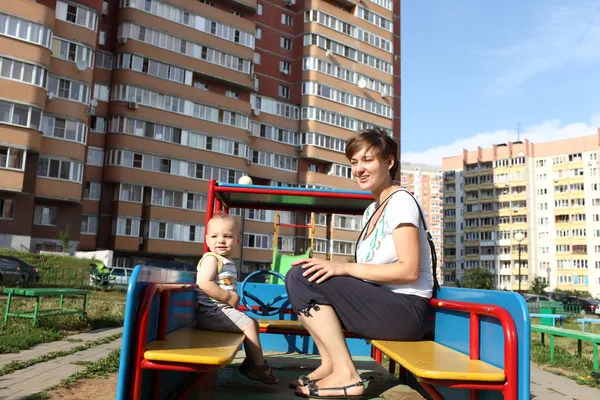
pixel 255 372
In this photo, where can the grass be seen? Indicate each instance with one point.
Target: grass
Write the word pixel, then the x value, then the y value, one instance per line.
pixel 94 369
pixel 51 260
pixel 18 365
pixel 567 362
pixel 104 310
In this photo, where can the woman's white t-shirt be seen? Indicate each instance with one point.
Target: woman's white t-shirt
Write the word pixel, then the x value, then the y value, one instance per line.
pixel 379 248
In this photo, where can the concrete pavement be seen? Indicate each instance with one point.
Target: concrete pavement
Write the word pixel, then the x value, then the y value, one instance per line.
pixel 38 377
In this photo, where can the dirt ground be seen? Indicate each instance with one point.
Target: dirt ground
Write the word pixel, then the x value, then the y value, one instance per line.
pixel 96 389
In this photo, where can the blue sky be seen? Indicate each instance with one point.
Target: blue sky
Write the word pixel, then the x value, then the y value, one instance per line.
pixel 474 69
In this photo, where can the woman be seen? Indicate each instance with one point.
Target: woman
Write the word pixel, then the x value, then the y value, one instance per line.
pixel 385 295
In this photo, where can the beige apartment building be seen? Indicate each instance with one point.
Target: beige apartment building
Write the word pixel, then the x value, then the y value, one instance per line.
pixel 114 114
pixel 543 197
pixel 425 182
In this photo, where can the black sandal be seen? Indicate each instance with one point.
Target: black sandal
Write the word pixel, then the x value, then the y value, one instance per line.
pixel 313 391
pixel 304 380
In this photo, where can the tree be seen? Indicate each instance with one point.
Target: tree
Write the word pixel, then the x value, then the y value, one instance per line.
pixel 65 238
pixel 479 278
pixel 538 285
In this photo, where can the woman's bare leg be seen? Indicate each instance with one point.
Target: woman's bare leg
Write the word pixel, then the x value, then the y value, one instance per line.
pixel 326 367
pixel 326 328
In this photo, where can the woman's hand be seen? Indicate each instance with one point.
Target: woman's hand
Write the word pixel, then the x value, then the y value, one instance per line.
pixel 320 269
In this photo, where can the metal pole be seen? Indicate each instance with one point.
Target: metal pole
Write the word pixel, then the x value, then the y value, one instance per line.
pixel 242 244
pixel 519 267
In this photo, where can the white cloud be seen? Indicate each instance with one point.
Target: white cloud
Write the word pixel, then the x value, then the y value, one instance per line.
pixel 559 36
pixel 546 131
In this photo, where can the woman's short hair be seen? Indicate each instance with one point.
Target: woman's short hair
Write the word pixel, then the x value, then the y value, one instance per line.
pixel 377 140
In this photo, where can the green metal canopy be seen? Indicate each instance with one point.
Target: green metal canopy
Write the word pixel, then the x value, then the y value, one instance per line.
pixel 293 199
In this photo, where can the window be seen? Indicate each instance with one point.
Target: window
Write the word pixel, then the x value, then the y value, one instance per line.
pixel 285 67
pixel 232 94
pixel 257 57
pixel 95 156
pixel 183 46
pixel 348 29
pixel 77 15
pixel 153 67
pixel 71 51
pixel 167 230
pixel 98 124
pixel 286 19
pixel 315 64
pixel 374 18
pixel 101 92
pixel 20 114
pixel 341 247
pixel 362 103
pixel 347 222
pixel 45 215
pixel 259 9
pixel 131 193
pixel 286 243
pixel 275 160
pixel 258 33
pixel 23 72
pixel 257 241
pixel 274 133
pixel 286 43
pixel 342 121
pixel 92 190
pixel 126 226
pixel 175 135
pixel 12 158
pixel 7 209
pixel 284 91
pixel 66 129
pixel 25 30
pixel 189 169
pixel 348 51
pixel 104 60
pixel 178 105
pixel 68 90
pixel 89 224
pixel 104 7
pixel 59 169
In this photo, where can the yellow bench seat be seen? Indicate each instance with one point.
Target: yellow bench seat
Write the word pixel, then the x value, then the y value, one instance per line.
pixel 195 346
pixel 280 324
pixel 430 360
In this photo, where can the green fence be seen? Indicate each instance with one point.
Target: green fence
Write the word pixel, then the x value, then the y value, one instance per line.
pixel 556 307
pixel 63 277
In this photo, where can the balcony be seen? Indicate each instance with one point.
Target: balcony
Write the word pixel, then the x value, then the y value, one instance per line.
pixel 487 257
pixel 58 189
pixel 316 178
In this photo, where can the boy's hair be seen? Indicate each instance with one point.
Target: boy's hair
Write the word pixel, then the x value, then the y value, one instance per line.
pixel 383 146
pixel 224 216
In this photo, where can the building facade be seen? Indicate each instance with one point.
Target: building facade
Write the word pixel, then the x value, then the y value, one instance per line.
pixel 425 182
pixel 116 113
pixel 542 199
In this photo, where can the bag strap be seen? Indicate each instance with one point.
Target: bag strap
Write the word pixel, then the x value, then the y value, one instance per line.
pixel 436 285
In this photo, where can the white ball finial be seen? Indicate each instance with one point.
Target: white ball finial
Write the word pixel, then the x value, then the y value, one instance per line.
pixel 245 180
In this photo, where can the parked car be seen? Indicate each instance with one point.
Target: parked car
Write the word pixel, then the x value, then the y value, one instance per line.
pixel 121 275
pixel 13 269
pixel 588 306
pixel 535 298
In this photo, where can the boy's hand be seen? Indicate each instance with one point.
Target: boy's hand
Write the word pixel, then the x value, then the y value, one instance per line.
pixel 233 300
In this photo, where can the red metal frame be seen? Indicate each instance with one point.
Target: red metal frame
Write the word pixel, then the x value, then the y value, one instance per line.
pixel 143 318
pixel 509 387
